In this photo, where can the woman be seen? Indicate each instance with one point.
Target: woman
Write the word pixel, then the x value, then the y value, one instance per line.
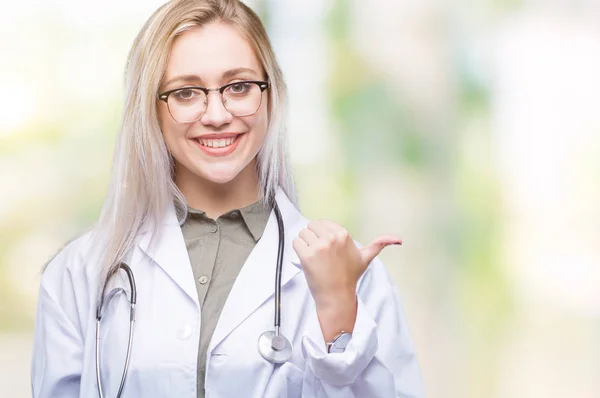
pixel 200 178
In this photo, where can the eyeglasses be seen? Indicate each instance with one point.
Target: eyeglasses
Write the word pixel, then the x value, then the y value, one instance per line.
pixel 188 104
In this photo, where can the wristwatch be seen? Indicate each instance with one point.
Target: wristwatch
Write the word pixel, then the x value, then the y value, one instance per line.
pixel 339 342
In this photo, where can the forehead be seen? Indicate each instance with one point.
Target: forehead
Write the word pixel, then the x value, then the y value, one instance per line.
pixel 209 51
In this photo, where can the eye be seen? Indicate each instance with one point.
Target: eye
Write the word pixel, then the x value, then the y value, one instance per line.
pixel 239 88
pixel 187 94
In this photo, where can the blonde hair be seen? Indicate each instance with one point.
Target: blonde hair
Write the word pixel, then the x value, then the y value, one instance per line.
pixel 142 182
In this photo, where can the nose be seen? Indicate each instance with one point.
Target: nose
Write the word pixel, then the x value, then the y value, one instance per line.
pixel 215 115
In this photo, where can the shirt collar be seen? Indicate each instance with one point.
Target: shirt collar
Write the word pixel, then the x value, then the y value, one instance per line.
pixel 255 217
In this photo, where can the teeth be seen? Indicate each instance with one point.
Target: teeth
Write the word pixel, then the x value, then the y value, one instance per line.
pixel 216 143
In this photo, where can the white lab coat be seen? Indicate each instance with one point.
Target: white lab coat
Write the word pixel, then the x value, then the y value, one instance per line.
pixel 378 362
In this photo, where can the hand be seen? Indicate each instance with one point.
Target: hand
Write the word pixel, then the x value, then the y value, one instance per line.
pixel 333 264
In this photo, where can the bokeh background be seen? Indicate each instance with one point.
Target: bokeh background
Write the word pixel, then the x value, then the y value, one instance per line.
pixel 469 128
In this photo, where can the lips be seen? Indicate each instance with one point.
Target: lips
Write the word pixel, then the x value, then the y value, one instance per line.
pixel 217 140
pixel 218 144
pixel 218 135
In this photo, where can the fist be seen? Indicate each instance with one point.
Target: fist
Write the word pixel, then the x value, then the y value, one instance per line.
pixel 332 262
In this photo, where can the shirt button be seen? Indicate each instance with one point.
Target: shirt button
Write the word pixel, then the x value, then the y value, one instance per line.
pixel 203 279
pixel 235 214
pixel 214 228
pixel 185 332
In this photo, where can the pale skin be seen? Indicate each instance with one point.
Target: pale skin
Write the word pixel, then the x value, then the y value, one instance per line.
pixel 332 263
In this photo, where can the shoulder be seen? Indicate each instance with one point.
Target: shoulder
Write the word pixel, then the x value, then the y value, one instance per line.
pixel 72 251
pixel 69 264
pixel 66 291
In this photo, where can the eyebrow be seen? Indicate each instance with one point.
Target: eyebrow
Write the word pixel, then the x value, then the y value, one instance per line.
pixel 227 74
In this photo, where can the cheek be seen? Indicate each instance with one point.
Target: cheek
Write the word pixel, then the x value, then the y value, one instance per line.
pixel 261 126
pixel 163 114
pixel 171 130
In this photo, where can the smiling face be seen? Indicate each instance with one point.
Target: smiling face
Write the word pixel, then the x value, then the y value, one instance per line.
pixel 218 147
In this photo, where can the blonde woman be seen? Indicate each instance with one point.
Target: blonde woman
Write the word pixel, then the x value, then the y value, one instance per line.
pixel 201 278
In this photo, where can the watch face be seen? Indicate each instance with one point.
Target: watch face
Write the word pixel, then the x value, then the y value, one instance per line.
pixel 340 343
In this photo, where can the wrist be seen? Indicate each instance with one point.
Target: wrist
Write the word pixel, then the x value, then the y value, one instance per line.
pixel 337 315
pixel 335 299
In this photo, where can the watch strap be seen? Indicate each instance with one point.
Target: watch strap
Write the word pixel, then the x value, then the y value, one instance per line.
pixel 339 342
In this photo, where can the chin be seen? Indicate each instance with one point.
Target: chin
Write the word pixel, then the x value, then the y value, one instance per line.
pixel 219 176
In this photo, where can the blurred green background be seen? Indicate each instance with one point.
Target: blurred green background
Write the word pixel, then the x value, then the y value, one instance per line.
pixel 471 129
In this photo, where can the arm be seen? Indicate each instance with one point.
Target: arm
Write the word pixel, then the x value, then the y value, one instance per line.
pixel 353 293
pixel 58 346
pixel 379 361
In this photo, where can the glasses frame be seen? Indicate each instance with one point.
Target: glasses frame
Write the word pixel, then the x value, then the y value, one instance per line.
pixel 262 85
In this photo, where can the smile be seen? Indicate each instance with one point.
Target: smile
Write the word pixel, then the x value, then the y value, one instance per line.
pixel 218 144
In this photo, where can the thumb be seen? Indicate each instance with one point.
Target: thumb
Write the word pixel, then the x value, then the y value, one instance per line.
pixel 370 251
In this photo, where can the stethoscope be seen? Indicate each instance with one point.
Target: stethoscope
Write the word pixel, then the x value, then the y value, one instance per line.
pixel 272 345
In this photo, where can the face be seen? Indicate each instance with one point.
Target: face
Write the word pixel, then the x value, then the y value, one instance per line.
pixel 219 147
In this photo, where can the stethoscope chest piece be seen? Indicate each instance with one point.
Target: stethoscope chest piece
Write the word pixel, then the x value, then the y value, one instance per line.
pixel 274 348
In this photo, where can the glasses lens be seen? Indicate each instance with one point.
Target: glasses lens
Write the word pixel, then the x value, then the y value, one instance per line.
pixel 242 99
pixel 187 105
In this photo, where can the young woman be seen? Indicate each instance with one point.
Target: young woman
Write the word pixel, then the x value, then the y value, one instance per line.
pixel 200 245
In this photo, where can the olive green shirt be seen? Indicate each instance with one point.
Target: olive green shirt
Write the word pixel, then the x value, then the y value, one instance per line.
pixel 218 249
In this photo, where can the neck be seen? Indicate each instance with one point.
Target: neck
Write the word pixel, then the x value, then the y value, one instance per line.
pixel 216 199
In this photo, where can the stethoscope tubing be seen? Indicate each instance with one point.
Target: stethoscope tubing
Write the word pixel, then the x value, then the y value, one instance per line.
pixel 278 269
pixel 133 300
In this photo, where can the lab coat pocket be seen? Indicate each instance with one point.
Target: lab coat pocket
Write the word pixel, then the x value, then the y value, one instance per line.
pixel 286 381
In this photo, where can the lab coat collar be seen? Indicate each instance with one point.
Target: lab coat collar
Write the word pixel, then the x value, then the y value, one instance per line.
pixel 256 280
pixel 170 253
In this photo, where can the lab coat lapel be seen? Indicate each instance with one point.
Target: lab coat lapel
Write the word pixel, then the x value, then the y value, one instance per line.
pixel 170 253
pixel 255 283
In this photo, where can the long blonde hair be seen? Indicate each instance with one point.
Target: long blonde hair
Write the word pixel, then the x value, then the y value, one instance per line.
pixel 142 181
